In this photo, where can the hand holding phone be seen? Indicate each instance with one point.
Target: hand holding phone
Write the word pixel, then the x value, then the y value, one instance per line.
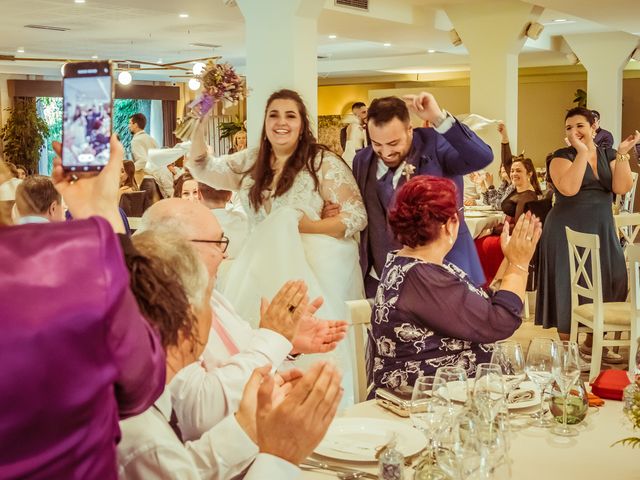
pixel 86 116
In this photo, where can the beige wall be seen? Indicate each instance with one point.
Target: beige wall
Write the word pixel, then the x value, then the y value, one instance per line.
pixel 337 99
pixel 630 106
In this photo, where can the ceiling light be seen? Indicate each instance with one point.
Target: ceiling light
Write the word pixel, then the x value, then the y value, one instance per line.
pixel 20 50
pixel 124 78
pixel 386 44
pixel 533 30
pixel 194 84
pixel 79 1
pixel 431 50
pixel 560 20
pixel 455 38
pixel 198 68
pixel 95 57
pixel 333 37
pixel 184 15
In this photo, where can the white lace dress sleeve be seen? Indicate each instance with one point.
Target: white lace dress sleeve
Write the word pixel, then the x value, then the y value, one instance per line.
pixel 225 172
pixel 337 185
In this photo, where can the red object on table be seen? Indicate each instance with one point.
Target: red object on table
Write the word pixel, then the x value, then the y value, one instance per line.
pixel 610 384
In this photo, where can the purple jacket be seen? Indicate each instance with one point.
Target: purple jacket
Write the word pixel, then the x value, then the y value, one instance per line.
pixel 458 152
pixel 76 353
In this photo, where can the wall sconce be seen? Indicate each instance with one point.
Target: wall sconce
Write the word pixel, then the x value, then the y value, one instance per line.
pixel 533 30
pixel 455 38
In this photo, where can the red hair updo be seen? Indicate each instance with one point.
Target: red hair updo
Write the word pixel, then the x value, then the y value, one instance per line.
pixel 422 206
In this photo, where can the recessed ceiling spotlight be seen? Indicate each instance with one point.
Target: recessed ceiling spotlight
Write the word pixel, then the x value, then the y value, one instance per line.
pixel 333 37
pixel 184 15
pixel 124 78
pixel 95 57
pixel 79 1
pixel 20 50
pixel 560 20
pixel 386 44
pixel 431 50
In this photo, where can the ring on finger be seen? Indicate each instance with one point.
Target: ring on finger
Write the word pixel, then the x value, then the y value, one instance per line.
pixel 528 239
pixel 291 308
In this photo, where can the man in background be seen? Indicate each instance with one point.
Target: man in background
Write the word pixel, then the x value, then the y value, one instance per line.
pixel 38 201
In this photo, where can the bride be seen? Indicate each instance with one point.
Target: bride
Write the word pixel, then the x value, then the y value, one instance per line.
pixel 284 186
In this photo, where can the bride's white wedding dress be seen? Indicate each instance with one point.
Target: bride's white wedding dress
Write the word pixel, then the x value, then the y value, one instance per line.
pixel 276 252
pixel 357 140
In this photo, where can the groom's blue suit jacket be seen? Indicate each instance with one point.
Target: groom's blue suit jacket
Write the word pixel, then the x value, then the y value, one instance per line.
pixel 457 152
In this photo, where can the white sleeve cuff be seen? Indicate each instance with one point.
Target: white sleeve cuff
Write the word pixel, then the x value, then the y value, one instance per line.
pixel 446 124
pixel 272 344
pixel 230 442
pixel 269 466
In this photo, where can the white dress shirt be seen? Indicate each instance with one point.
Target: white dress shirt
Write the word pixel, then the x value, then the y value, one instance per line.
pixel 149 449
pixel 206 392
pixel 140 145
pixel 235 226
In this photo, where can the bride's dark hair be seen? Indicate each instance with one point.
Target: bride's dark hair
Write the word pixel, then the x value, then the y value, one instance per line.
pixel 302 158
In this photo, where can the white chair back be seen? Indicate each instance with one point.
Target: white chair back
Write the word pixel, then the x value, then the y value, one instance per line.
pixel 633 254
pixel 360 319
pixel 628 226
pixel 585 282
pixel 629 198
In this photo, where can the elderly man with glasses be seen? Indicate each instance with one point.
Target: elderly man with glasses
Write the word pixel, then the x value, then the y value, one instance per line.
pixel 204 393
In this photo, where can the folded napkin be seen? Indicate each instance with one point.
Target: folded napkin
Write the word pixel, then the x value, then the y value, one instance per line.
pixel 476 122
pixel 594 400
pixel 161 157
pixel 518 396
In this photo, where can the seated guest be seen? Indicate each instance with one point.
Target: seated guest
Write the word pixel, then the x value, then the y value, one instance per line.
pixel 151 445
pixel 189 189
pixel 525 189
pixel 232 220
pixel 8 185
pixel 22 173
pixel 38 201
pixel 128 177
pixel 76 351
pixel 205 392
pixel 427 313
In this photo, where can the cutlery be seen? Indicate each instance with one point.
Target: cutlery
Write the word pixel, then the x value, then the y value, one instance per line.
pixel 310 463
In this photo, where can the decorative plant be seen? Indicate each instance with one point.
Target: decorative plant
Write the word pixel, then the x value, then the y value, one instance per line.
pixel 229 129
pixel 24 134
pixel 634 415
pixel 581 98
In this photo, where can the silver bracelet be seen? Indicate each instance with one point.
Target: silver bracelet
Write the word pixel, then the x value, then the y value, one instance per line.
pixel 520 267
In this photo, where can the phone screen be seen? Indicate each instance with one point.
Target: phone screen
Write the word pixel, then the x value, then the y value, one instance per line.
pixel 87 118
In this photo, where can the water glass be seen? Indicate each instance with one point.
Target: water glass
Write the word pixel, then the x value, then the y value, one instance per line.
pixel 429 408
pixel 566 370
pixel 489 393
pixel 508 355
pixel 541 358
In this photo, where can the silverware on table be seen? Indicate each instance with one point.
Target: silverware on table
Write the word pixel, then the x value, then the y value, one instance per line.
pixel 346 473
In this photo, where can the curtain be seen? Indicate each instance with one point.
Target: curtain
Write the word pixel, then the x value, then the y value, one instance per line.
pixel 169 118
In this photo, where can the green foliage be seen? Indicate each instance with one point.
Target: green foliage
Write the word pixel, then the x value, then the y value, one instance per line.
pixel 24 134
pixel 123 108
pixel 229 129
pixel 580 98
pixel 51 109
pixel 632 442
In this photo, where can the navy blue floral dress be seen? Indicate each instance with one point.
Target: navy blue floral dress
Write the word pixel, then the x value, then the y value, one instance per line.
pixel 427 316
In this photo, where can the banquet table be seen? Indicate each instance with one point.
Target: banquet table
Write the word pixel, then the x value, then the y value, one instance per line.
pixel 537 453
pixel 479 222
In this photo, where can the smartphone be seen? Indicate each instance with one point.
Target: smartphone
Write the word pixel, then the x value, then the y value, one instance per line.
pixel 87 108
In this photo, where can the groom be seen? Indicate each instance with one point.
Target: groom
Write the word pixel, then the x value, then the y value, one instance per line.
pixel 398 152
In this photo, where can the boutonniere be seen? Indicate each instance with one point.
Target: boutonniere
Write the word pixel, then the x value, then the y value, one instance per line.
pixel 408 170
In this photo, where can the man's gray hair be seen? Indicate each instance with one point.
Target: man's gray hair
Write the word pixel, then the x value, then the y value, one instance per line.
pixel 178 254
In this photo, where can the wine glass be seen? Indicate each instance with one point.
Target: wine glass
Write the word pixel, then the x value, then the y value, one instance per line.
pixel 508 355
pixel 456 382
pixel 429 407
pixel 566 370
pixel 542 355
pixel 489 393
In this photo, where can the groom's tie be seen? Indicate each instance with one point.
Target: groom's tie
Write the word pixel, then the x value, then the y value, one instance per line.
pixel 386 187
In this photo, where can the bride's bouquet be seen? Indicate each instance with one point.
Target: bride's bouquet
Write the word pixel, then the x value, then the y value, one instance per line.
pixel 219 82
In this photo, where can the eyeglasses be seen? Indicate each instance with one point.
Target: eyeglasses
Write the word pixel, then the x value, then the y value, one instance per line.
pixel 223 242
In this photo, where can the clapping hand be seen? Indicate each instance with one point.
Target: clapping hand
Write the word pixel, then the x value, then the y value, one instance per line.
pixel 292 429
pixel 576 143
pixel 286 309
pixel 425 106
pixel 90 195
pixel 316 335
pixel 628 143
pixel 519 247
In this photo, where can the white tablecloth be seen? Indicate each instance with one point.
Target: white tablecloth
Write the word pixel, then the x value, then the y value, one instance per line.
pixel 537 454
pixel 478 225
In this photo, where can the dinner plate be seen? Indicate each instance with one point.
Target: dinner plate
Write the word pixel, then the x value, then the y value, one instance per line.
pixel 472 214
pixel 480 208
pixel 358 439
pixel 457 392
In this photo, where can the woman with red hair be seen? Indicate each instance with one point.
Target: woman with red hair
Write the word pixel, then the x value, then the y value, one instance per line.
pixel 427 314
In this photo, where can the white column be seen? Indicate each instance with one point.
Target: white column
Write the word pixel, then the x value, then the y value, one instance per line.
pixel 604 56
pixel 493 34
pixel 281 44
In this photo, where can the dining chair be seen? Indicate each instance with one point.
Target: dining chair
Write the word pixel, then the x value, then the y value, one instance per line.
pixel 598 317
pixel 360 319
pixel 626 201
pixel 628 227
